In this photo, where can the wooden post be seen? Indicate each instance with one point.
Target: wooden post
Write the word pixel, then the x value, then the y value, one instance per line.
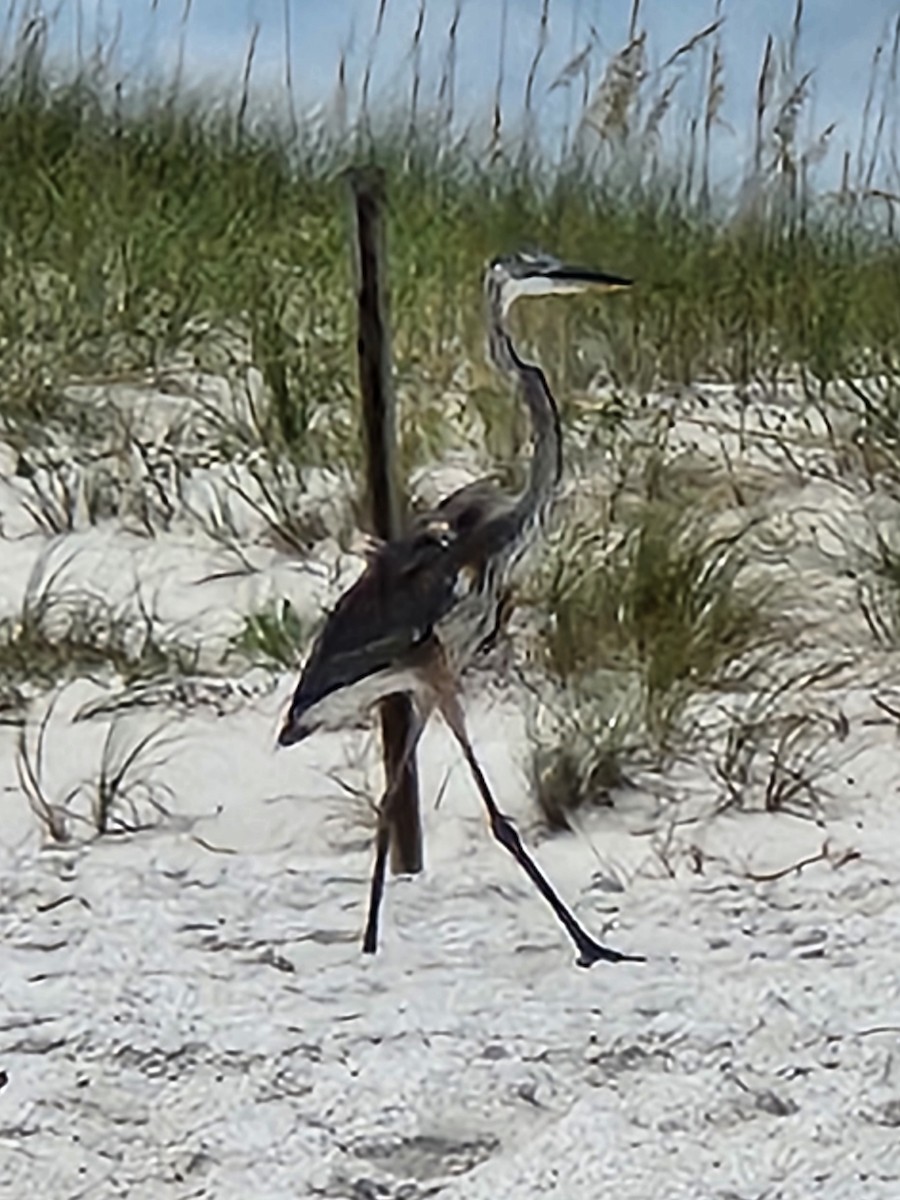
pixel 382 492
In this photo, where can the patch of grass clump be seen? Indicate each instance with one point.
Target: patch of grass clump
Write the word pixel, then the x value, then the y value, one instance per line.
pixel 122 796
pixel 879 590
pixel 589 741
pixel 274 636
pixel 665 597
pixel 61 634
pixel 639 618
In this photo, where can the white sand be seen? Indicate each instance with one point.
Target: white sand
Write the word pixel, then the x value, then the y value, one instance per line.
pixel 185 1012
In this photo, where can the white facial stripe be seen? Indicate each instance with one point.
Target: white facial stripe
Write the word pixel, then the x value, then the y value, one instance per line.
pixel 539 285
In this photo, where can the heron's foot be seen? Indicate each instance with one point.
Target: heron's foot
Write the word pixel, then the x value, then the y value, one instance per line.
pixel 590 952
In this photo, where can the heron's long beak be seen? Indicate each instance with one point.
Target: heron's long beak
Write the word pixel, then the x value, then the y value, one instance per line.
pixel 579 279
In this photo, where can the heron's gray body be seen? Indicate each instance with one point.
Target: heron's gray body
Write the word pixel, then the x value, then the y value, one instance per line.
pixel 427 602
pixel 446 578
pixel 442 581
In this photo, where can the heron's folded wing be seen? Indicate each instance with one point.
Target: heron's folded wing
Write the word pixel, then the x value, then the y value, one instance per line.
pixel 407 587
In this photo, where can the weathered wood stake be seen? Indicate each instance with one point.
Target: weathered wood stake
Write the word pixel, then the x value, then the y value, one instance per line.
pixel 382 491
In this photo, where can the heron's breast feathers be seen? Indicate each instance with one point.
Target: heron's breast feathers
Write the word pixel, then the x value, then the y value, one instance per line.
pixel 436 581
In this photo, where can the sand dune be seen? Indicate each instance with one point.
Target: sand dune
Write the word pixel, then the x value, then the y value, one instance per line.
pixel 185 1012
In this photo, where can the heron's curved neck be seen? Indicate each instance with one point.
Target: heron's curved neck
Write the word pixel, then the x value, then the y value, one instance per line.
pixel 546 433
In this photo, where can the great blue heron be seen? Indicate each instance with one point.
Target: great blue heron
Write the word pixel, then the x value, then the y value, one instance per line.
pixel 429 600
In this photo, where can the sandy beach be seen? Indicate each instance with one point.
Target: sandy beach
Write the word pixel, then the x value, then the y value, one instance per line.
pixel 185 1011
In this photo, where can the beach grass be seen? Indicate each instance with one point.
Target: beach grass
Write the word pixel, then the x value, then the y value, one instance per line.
pixel 146 226
pixel 133 219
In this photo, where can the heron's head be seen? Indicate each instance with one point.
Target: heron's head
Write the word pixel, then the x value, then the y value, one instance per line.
pixel 527 274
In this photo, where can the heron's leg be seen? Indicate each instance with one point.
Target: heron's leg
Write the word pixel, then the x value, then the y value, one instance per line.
pixel 383 832
pixel 376 887
pixel 589 951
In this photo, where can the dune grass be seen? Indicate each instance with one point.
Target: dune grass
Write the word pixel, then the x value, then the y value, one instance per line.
pixel 62 631
pixel 143 226
pixel 274 636
pixel 128 226
pixel 661 594
pixel 638 616
pixel 121 796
